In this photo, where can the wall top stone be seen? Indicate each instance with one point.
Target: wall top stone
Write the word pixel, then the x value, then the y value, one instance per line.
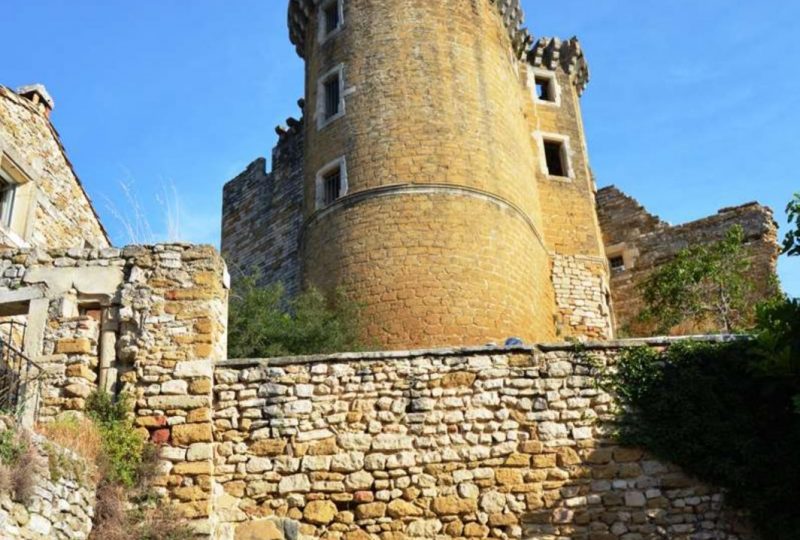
pixel 610 345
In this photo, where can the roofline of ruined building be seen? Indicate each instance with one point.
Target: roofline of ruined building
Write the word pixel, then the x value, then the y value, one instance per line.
pixel 754 205
pixel 444 352
pixel 545 52
pixel 8 93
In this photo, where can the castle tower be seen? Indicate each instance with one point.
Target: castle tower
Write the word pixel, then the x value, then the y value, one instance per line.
pixel 421 199
pixel 556 74
pixel 439 177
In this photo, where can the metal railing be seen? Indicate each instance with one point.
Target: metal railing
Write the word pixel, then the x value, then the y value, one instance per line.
pixel 19 375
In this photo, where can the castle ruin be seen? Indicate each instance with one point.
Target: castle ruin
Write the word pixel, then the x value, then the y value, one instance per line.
pixel 439 175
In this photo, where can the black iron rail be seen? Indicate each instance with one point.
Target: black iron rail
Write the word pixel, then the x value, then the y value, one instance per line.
pixel 19 375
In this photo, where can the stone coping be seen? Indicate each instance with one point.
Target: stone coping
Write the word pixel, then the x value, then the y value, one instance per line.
pixel 662 341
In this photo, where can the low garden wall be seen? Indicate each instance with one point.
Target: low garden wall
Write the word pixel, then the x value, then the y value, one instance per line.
pixel 480 443
pixel 59 500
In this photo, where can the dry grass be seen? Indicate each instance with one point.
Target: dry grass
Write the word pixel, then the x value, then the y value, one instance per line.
pixel 74 433
pixel 26 470
pixel 6 484
pixel 114 521
pixel 21 466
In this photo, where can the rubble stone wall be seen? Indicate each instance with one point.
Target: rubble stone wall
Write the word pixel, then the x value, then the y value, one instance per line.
pixel 482 443
pixel 645 242
pixel 54 210
pixel 61 507
pixel 582 297
pixel 145 320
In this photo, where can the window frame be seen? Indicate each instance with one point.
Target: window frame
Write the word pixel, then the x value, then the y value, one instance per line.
pixel 555 88
pixel 322 20
pixel 566 155
pixel 7 185
pixel 321 98
pixel 339 163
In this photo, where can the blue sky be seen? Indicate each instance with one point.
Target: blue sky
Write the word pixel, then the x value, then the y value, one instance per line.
pixel 693 105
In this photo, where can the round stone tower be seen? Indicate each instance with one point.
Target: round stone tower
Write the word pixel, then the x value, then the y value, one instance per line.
pixel 421 200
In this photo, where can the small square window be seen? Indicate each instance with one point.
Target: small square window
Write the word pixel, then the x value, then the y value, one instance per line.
pixel 332 186
pixel 545 89
pixel 331 17
pixel 617 263
pixel 554 155
pixel 332 96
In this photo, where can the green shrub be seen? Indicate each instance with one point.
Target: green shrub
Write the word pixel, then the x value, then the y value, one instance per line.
pixel 791 244
pixel 726 415
pixel 11 447
pixel 705 287
pixel 264 323
pixel 123 447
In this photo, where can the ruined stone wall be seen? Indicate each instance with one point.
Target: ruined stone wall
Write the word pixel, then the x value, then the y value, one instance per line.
pixel 645 242
pixel 62 506
pixel 482 443
pixel 52 210
pixel 262 217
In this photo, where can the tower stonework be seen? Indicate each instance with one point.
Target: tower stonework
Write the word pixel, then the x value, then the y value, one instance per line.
pixel 446 185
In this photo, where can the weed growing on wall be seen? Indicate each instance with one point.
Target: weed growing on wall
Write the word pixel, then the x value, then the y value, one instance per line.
pixel 126 508
pixel 263 323
pixel 726 413
pixel 19 462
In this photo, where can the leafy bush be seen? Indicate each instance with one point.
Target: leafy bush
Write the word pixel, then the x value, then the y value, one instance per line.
pixel 123 446
pixel 706 286
pixel 263 323
pixel 128 463
pixel 791 244
pixel 726 413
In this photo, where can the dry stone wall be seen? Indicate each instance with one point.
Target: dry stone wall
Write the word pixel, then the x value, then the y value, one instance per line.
pixel 482 443
pixel 645 242
pixel 61 507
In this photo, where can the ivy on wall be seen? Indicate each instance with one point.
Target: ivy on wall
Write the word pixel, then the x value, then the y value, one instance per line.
pixel 728 414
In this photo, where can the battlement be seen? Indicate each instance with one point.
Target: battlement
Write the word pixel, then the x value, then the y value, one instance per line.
pixel 550 53
pixel 512 14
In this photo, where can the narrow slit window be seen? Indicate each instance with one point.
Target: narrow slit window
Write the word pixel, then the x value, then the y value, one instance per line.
pixel 617 263
pixel 332 186
pixel 330 17
pixel 554 154
pixel 332 97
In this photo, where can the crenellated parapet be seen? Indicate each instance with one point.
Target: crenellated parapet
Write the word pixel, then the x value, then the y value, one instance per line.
pixel 294 126
pixel 550 53
pixel 511 12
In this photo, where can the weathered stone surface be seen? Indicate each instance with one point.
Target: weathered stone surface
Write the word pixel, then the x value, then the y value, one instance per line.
pixel 320 512
pixel 187 434
pixel 262 529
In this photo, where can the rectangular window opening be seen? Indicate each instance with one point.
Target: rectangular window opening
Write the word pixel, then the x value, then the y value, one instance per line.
pixel 554 155
pixel 332 186
pixel 7 193
pixel 331 19
pixel 332 97
pixel 617 263
pixel 544 89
